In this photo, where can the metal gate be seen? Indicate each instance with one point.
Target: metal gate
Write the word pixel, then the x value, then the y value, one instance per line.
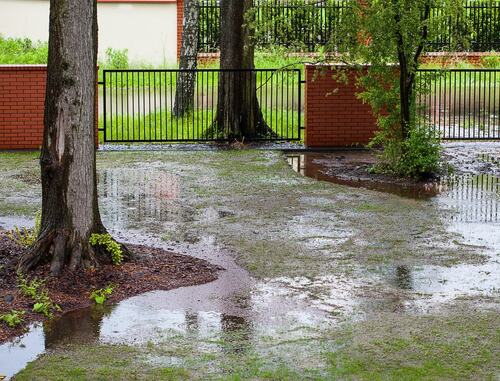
pixel 460 104
pixel 138 105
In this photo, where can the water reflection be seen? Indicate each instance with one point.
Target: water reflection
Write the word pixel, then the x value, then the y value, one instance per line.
pixel 233 313
pixel 472 198
pixel 140 196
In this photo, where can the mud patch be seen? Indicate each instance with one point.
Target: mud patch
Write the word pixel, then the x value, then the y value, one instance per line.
pixel 151 269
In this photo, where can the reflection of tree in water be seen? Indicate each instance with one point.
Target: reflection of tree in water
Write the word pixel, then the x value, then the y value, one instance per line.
pixel 81 326
pixel 237 334
pixel 403 278
pixel 135 196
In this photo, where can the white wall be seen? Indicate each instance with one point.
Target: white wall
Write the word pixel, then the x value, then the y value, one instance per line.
pixel 147 30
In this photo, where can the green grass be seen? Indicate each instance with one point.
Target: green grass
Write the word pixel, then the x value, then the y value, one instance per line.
pixel 461 346
pixel 163 126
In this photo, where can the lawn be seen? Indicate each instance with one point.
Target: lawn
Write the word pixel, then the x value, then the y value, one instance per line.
pixel 316 285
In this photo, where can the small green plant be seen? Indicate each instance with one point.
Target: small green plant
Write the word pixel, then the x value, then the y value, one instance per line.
pixel 36 291
pixel 26 237
pixel 101 295
pixel 110 245
pixel 13 318
pixel 116 59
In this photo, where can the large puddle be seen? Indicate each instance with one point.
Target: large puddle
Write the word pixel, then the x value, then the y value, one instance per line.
pixel 282 307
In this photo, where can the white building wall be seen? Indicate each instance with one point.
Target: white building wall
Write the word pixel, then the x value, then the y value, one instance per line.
pixel 147 30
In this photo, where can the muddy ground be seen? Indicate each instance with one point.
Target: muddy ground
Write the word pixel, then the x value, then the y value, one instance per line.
pixel 150 269
pixel 322 280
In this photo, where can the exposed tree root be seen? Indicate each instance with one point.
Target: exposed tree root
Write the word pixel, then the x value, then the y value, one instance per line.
pixel 64 250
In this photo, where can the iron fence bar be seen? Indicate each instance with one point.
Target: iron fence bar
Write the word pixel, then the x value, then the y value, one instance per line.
pixel 312 25
pixel 140 103
pixel 461 103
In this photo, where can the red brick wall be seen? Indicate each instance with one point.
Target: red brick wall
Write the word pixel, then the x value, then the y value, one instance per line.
pixel 334 117
pixel 447 59
pixel 180 17
pixel 22 100
pixel 22 103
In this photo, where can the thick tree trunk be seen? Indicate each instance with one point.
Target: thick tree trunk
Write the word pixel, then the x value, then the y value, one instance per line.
pixel 238 111
pixel 186 81
pixel 70 212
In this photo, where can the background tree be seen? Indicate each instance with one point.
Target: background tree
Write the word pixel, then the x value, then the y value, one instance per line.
pixel 392 35
pixel 186 81
pixel 238 111
pixel 70 212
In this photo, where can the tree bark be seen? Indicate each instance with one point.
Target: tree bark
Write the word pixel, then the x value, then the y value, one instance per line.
pixel 238 112
pixel 407 74
pixel 70 212
pixel 186 81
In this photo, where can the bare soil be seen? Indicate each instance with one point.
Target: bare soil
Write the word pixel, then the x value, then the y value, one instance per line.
pixel 151 269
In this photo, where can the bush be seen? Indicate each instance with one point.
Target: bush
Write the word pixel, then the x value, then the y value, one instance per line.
pixel 491 62
pixel 22 51
pixel 420 153
pixel 116 59
pixel 417 156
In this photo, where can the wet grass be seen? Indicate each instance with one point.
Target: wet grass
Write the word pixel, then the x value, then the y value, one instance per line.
pixel 276 215
pixel 280 224
pixel 433 347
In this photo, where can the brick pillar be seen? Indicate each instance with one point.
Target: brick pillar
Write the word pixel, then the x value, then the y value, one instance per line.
pixel 22 106
pixel 180 18
pixel 334 116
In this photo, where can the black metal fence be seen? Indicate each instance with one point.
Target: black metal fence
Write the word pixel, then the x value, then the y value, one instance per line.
pixel 139 105
pixel 460 103
pixel 306 26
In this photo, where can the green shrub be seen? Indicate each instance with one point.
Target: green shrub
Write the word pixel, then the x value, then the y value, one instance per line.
pixel 22 51
pixel 110 245
pixel 420 153
pixel 417 156
pixel 116 59
pixel 491 62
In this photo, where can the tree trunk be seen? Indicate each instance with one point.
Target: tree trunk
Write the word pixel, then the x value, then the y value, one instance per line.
pixel 186 81
pixel 238 111
pixel 70 212
pixel 407 74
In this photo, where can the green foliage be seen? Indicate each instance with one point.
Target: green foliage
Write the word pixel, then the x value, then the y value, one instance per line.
pixel 417 156
pixel 116 59
pixel 36 291
pixel 110 245
pixel 492 62
pixel 385 33
pixel 22 51
pixel 26 237
pixel 12 318
pixel 101 295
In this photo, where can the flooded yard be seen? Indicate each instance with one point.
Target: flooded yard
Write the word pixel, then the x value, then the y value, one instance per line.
pixel 325 277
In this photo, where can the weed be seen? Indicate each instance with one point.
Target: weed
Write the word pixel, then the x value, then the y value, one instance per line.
pixel 110 245
pixel 101 295
pixel 36 291
pixel 26 237
pixel 13 318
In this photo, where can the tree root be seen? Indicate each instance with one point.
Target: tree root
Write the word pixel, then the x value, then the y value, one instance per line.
pixel 64 250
